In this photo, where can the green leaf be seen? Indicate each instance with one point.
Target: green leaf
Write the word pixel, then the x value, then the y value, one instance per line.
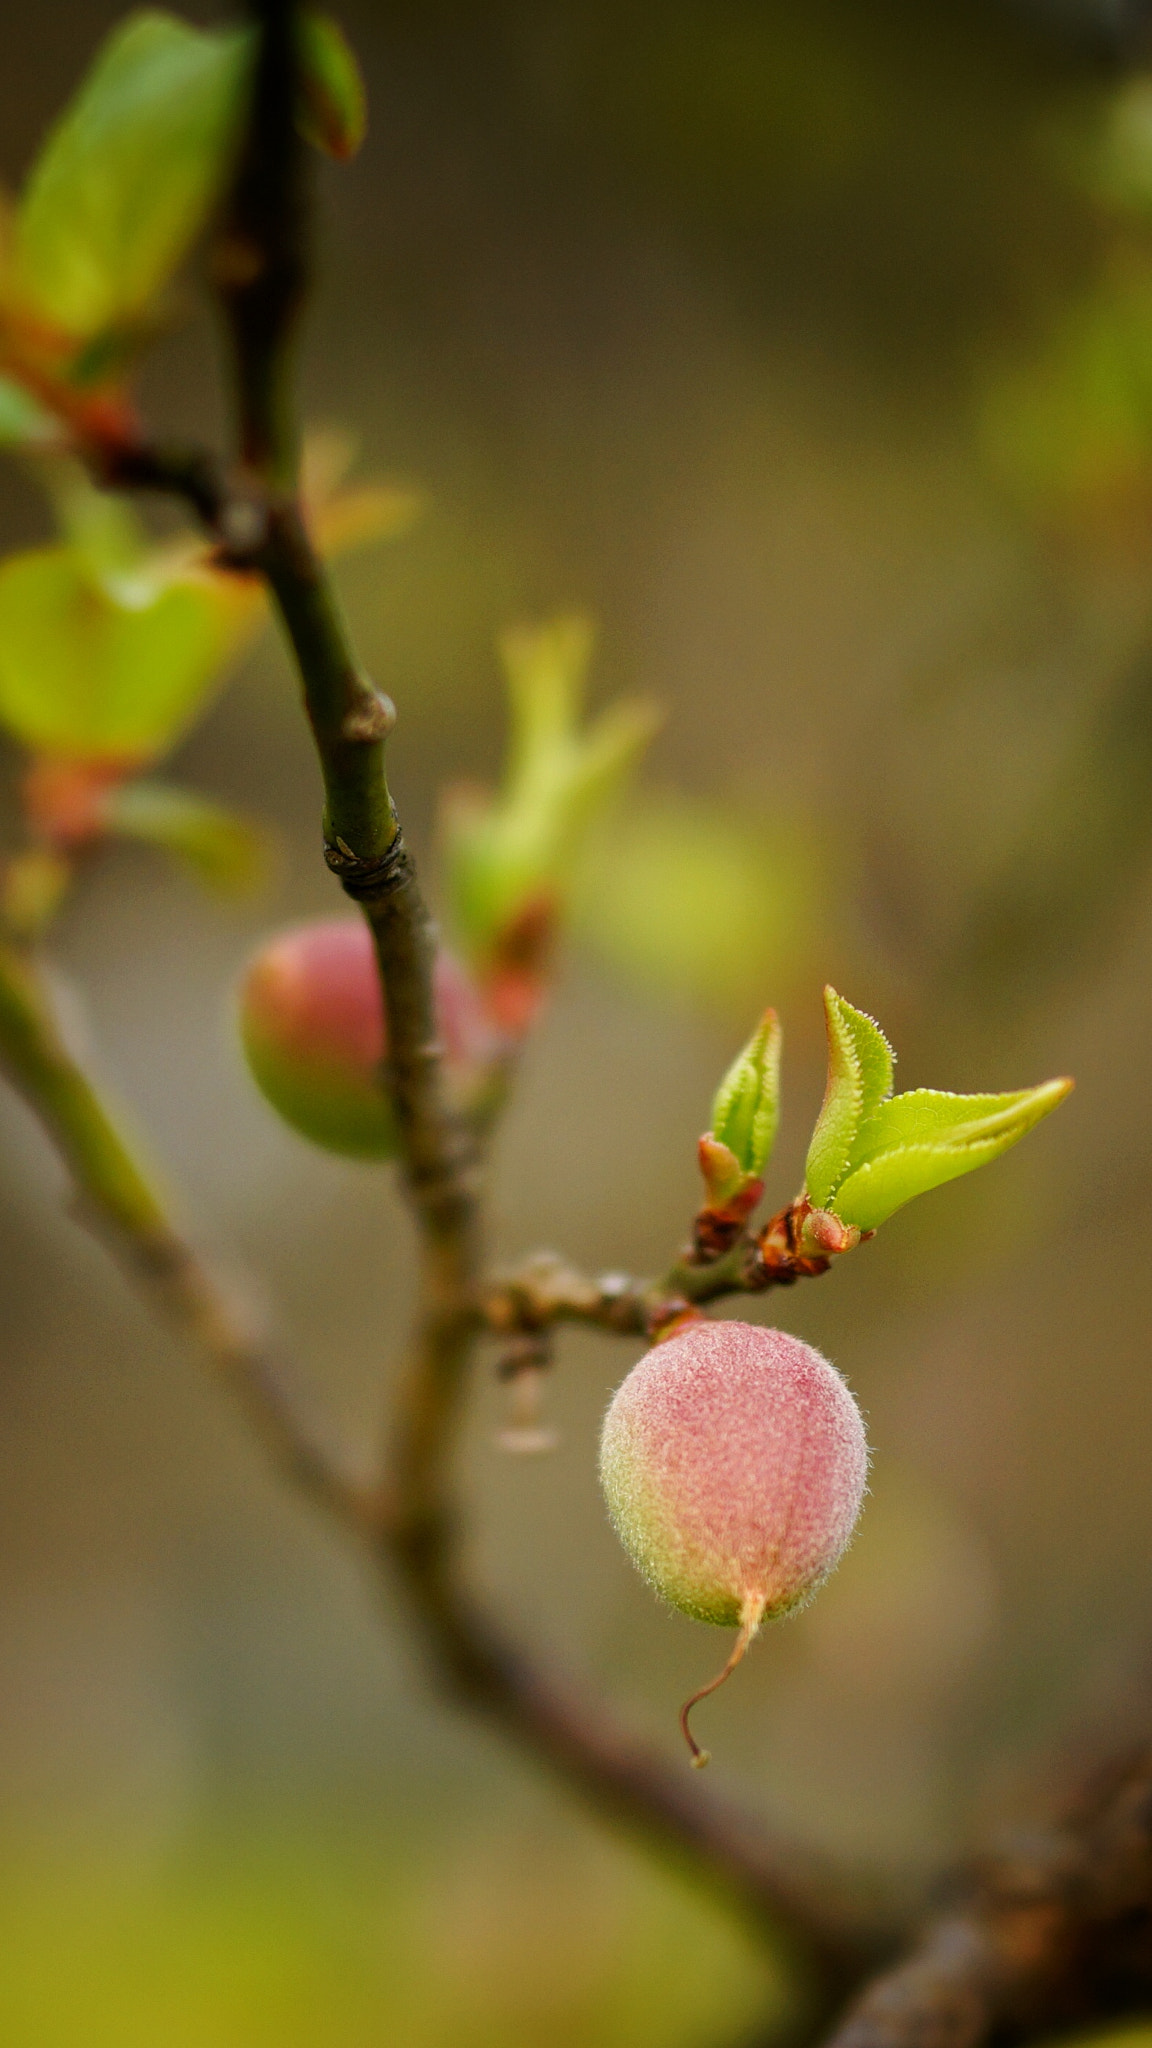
pixel 746 1109
pixel 334 113
pixel 1071 426
pixel 128 176
pixel 1122 171
pixel 23 423
pixel 860 1062
pixel 107 538
pixel 111 668
pixel 225 851
pixel 546 668
pixel 506 852
pixel 920 1140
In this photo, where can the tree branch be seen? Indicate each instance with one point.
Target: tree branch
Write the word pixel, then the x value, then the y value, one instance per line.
pixel 1054 1932
pixel 545 1289
pixel 115 1199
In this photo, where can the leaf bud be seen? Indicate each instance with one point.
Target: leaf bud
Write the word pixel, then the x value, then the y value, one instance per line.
pixel 746 1109
pixel 333 112
pixel 508 852
pixel 823 1236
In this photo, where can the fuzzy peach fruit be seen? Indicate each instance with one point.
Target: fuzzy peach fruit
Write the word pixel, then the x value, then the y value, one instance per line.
pixel 312 1026
pixel 733 1461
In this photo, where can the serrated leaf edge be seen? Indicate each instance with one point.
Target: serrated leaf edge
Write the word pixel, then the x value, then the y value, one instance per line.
pixel 842 1041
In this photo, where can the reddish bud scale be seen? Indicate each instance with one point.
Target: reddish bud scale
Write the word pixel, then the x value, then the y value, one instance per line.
pixel 514 978
pixel 733 1460
pixel 67 800
pixel 313 1029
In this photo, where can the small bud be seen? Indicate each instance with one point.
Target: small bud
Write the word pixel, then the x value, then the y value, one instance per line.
pixel 746 1110
pixel 372 718
pixel 32 887
pixel 733 1462
pixel 822 1235
pixel 722 1172
pixel 333 114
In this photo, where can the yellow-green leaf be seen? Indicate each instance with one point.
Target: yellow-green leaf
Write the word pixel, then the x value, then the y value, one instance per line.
pixel 920 1140
pixel 746 1110
pixel 860 1062
pixel 225 851
pixel 113 668
pixel 333 115
pixel 128 175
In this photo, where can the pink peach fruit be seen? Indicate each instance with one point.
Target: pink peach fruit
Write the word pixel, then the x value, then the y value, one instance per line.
pixel 733 1461
pixel 312 1027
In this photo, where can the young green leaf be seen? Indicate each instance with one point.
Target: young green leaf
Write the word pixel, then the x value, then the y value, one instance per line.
pixel 226 852
pixel 920 1140
pixel 112 667
pixel 128 175
pixel 334 113
pixel 505 853
pixel 860 1063
pixel 746 1110
pixel 23 423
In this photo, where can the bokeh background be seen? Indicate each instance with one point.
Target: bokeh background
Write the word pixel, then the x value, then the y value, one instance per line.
pixel 809 350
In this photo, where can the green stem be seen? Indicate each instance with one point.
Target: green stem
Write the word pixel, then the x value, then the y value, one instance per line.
pixel 44 1072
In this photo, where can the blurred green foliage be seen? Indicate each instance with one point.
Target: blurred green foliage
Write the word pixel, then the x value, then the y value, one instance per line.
pixel 334 116
pixel 693 900
pixel 503 853
pixel 127 177
pixel 1072 428
pixel 277 1939
pixel 113 663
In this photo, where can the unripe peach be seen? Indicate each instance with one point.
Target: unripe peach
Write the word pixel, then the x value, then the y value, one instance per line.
pixel 733 1461
pixel 312 1026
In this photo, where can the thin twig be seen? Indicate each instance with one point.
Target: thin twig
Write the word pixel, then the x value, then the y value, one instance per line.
pixel 547 1289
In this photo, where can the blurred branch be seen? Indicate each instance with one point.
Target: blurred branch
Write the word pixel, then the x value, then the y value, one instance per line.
pixel 116 1201
pixel 1050 1934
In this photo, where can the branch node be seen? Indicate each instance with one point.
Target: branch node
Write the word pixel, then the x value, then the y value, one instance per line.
pixel 371 720
pixel 368 880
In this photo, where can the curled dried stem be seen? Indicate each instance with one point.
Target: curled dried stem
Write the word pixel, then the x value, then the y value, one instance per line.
pixel 751 1617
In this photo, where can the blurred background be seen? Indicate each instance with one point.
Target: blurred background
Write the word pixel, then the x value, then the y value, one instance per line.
pixel 810 351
